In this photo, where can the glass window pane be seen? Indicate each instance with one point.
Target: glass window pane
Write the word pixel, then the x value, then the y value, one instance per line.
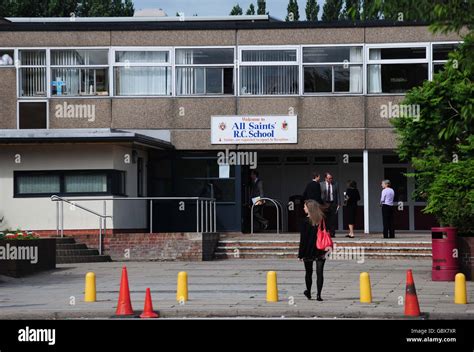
pixel 79 57
pixel 35 184
pixel 269 80
pixel 142 56
pixel 85 183
pixel 32 115
pixel 32 57
pixel 441 51
pixel 79 81
pixel 317 79
pixel 6 57
pixel 142 81
pixel 214 81
pixel 33 82
pixel 396 78
pixel 399 53
pixel 205 56
pixel 332 54
pixel 269 55
pixel 438 67
pixel 341 79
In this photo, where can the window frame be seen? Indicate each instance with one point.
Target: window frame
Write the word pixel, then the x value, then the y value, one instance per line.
pixel 113 64
pixel 242 63
pixel 432 61
pixel 212 95
pixel 332 64
pixel 18 102
pixel 15 57
pixel 50 68
pixel 111 174
pixel 368 62
pixel 19 66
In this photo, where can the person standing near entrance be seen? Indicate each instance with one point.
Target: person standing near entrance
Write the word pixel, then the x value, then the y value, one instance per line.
pixel 308 253
pixel 351 197
pixel 330 195
pixel 313 189
pixel 256 192
pixel 386 202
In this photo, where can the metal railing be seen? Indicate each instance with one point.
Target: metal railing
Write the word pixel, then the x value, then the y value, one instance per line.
pixel 276 203
pixel 206 219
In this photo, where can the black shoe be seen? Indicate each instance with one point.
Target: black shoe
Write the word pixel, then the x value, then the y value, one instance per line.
pixel 307 294
pixel 319 298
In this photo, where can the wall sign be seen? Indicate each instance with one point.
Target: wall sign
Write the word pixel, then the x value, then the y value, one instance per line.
pixel 254 129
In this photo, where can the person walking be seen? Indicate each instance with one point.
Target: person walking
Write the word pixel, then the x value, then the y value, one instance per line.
pixel 351 198
pixel 386 202
pixel 256 192
pixel 313 189
pixel 308 253
pixel 330 196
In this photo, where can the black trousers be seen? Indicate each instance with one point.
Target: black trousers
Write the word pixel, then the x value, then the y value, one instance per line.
pixel 387 219
pixel 308 266
pixel 331 218
pixel 258 217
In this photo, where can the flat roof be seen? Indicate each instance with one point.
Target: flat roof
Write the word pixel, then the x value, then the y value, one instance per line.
pixel 11 136
pixel 185 23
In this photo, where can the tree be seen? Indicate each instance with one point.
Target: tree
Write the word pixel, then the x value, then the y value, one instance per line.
pixel 312 10
pixel 332 10
pixel 293 11
pixel 251 10
pixel 236 11
pixel 261 7
pixel 351 10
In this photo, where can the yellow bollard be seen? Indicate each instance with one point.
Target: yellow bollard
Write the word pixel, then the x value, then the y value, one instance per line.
pixel 90 290
pixel 365 290
pixel 460 292
pixel 182 291
pixel 272 288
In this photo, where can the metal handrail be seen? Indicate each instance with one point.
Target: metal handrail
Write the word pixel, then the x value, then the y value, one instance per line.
pixel 207 206
pixel 60 217
pixel 278 214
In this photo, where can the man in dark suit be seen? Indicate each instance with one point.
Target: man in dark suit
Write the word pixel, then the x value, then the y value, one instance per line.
pixel 256 190
pixel 313 189
pixel 330 196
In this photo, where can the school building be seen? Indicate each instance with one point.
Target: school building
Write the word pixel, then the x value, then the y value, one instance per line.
pixel 101 112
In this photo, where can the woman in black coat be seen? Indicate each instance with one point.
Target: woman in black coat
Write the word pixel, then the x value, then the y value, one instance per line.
pixel 308 253
pixel 351 197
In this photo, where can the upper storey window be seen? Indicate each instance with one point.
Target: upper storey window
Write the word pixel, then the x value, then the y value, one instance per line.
pixel 268 71
pixel 76 72
pixel 142 72
pixel 336 69
pixel 440 55
pixel 32 73
pixel 6 57
pixel 396 69
pixel 204 71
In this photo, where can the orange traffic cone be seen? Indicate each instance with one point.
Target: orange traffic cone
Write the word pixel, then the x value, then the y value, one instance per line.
pixel 148 310
pixel 124 306
pixel 412 308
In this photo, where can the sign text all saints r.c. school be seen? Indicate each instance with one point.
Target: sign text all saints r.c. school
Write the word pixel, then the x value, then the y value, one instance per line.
pixel 254 129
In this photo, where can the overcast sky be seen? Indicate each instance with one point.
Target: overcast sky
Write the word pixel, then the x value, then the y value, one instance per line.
pixel 277 8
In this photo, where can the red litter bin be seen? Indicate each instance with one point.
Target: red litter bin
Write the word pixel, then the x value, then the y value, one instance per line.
pixel 445 253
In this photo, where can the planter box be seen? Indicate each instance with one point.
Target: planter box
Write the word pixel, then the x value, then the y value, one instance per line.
pixel 25 257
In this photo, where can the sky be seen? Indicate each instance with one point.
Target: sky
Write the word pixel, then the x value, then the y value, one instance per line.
pixel 277 8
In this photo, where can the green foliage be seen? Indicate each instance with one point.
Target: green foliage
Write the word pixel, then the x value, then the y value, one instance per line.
pixel 236 11
pixel 351 10
pixel 440 142
pixel 250 10
pixel 293 8
pixel 332 10
pixel 312 10
pixel 261 7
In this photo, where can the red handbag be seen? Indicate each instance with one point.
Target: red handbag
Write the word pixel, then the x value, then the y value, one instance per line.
pixel 324 241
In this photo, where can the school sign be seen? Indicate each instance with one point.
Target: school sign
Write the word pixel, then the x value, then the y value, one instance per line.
pixel 254 129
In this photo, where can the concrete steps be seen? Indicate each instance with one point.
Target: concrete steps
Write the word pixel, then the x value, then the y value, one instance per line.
pixel 376 249
pixel 68 251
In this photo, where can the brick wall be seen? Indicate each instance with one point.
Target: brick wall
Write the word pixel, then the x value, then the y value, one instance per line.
pixel 145 246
